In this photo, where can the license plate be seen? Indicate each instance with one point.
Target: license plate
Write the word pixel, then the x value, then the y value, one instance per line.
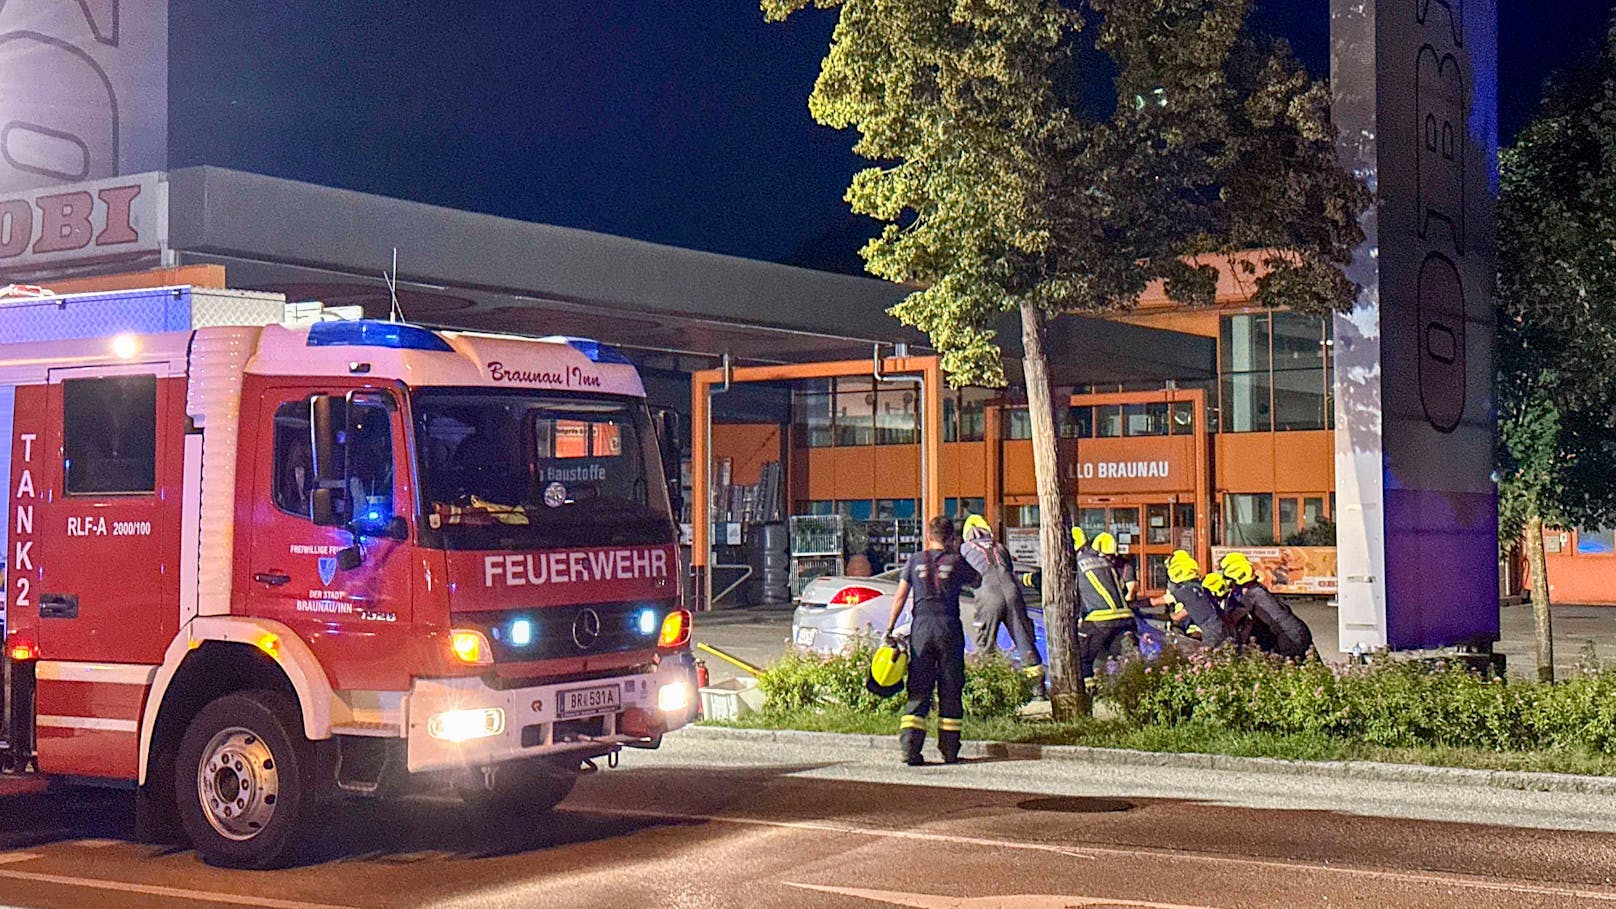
pixel 806 636
pixel 582 701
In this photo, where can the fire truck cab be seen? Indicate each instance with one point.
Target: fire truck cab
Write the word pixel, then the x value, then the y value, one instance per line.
pixel 257 558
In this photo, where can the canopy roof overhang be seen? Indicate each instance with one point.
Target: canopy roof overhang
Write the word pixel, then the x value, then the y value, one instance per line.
pixel 475 271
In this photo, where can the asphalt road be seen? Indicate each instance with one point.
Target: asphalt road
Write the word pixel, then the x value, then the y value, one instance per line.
pixel 710 822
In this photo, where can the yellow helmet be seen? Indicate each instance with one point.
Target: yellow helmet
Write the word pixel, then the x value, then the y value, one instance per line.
pixel 978 522
pixel 1183 570
pixel 1216 584
pixel 1180 555
pixel 1233 558
pixel 1105 544
pixel 888 668
pixel 1079 538
pixel 1241 572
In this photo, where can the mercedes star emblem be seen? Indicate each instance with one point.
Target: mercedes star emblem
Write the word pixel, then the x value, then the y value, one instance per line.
pixel 586 629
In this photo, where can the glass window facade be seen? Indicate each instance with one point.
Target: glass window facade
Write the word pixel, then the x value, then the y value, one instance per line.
pixel 960 509
pixel 1275 372
pixel 1596 541
pixel 1017 424
pixel 1248 519
pixel 897 416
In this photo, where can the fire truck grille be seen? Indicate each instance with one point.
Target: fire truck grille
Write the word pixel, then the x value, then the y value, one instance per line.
pixel 558 632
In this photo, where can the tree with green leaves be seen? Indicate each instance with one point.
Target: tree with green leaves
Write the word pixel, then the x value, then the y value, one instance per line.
pixel 1557 323
pixel 1034 159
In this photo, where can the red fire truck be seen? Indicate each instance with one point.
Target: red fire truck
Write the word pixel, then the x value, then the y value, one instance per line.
pixel 254 565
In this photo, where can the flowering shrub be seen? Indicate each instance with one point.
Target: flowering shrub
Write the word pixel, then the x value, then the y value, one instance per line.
pixel 994 687
pixel 1387 703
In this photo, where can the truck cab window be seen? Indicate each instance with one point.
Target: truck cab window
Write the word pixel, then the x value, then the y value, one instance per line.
pixel 365 446
pixel 109 435
pixel 369 445
pixel 294 458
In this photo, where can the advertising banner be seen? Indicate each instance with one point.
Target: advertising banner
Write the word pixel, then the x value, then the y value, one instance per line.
pixel 1293 570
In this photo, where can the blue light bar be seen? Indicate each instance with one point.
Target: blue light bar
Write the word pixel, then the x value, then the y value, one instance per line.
pixel 373 333
pixel 594 350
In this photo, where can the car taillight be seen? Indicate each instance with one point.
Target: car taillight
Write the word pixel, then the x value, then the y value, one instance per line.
pixel 675 629
pixel 852 596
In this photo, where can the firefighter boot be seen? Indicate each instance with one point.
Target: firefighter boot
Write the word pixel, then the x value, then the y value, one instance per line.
pixel 948 739
pixel 912 736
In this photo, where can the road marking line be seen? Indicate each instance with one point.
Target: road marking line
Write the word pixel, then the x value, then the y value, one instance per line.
pixel 199 896
pixel 1016 901
pixel 1442 879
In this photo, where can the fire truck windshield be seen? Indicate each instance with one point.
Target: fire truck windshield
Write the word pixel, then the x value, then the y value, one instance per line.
pixel 505 469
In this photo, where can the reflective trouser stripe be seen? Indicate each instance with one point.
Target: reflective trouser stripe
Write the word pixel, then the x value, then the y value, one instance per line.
pixel 912 722
pixel 948 725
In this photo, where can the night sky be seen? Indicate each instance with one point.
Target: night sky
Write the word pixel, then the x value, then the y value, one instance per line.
pixel 641 118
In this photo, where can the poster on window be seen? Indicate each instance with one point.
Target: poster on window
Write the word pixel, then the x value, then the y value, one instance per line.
pixel 1293 570
pixel 1023 545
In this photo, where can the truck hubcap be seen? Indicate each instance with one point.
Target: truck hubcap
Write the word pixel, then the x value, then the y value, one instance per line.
pixel 238 783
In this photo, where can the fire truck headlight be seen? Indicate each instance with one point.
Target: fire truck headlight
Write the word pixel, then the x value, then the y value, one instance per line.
pixel 465 725
pixel 521 633
pixel 648 622
pixel 674 697
pixel 124 347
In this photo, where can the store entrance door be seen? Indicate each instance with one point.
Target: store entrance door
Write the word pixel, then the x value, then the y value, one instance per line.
pixel 1147 534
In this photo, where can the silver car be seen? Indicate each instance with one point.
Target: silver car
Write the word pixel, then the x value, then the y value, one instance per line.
pixel 833 612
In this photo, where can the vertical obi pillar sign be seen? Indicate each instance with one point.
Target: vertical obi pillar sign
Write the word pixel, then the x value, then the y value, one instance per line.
pixel 83 91
pixel 1415 86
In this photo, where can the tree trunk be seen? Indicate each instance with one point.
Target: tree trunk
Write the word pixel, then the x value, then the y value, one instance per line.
pixel 1537 563
pixel 1068 698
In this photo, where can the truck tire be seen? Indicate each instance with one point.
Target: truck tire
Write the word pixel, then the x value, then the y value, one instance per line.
pixel 524 788
pixel 242 780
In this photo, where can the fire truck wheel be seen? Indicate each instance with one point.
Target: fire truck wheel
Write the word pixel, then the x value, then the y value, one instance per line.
pixel 524 788
pixel 241 779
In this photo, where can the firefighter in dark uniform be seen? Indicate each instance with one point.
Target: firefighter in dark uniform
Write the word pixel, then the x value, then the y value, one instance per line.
pixel 1274 627
pixel 998 597
pixel 934 577
pixel 1191 608
pixel 1107 625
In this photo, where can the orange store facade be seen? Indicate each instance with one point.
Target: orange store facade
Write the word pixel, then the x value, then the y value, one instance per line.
pixel 1243 459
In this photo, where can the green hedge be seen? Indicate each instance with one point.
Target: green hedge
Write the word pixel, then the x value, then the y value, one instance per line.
pixel 994 687
pixel 1387 703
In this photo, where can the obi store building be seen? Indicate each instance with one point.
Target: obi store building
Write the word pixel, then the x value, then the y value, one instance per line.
pixel 1236 449
pixel 798 395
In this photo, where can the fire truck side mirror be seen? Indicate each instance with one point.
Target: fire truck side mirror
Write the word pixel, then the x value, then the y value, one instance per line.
pixel 672 451
pixel 328 499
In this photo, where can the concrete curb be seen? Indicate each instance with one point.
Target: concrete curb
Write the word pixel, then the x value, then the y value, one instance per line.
pixel 1350 770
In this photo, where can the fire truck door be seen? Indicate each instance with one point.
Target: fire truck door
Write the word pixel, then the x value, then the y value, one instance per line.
pixel 107 469
pixel 355 616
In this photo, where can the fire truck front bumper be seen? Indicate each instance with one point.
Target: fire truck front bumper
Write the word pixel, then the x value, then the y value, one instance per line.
pixel 463 722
